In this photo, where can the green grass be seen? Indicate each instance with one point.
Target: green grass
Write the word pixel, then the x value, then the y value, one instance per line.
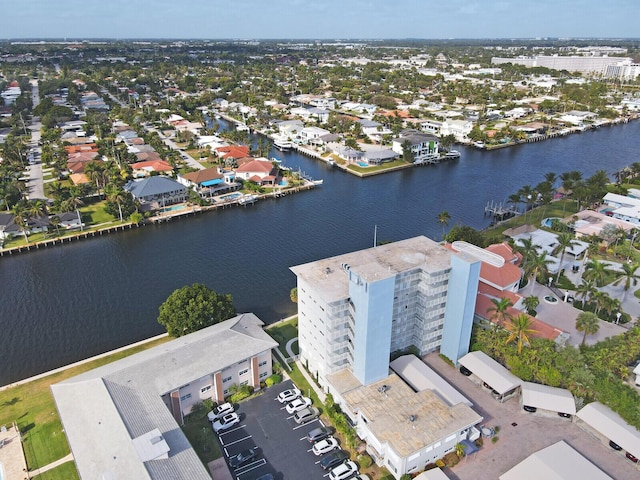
pixel 95 213
pixel 301 382
pixel 66 471
pixel 378 168
pixel 201 437
pixel 32 407
pixel 283 332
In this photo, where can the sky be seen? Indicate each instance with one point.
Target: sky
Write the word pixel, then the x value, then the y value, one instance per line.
pixel 319 19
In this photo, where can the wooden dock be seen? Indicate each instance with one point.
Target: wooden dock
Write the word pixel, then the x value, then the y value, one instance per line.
pixel 499 210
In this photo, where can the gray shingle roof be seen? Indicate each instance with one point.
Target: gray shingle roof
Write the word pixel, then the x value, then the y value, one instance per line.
pixel 153 186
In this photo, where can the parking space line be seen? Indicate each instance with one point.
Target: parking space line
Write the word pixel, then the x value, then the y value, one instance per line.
pixel 303 425
pixel 229 431
pixel 254 465
pixel 237 441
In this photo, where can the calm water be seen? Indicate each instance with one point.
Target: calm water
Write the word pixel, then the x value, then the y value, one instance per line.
pixel 63 304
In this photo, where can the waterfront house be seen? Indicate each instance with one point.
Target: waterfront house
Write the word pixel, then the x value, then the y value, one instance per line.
pixel 374 130
pixel 622 207
pixel 156 192
pixel 290 128
pixel 309 135
pixel 210 181
pixel 458 128
pixel 260 171
pixel 424 147
pixel 122 420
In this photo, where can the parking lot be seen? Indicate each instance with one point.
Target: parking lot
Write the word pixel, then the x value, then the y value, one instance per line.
pixel 283 450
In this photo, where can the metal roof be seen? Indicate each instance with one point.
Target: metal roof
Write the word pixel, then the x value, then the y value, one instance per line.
pixel 548 398
pixel 555 462
pixel 490 371
pixel 604 420
pixel 151 186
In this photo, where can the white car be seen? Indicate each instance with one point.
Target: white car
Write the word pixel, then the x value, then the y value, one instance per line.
pixel 325 446
pixel 298 404
pixel 288 395
pixel 343 471
pixel 220 411
pixel 227 421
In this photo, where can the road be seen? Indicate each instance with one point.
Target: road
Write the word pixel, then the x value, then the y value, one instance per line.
pixel 35 186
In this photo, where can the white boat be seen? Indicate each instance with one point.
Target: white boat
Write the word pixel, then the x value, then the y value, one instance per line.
pixel 452 155
pixel 317 182
pixel 248 199
pixel 282 143
pixel 242 127
pixel 479 144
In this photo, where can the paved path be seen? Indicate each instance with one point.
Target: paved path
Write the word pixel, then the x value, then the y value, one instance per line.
pixel 531 432
pixel 11 454
pixel 288 346
pixel 57 463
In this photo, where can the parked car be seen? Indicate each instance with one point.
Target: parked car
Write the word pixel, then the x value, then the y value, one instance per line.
pixel 318 434
pixel 243 457
pixel 614 445
pixel 361 476
pixel 631 457
pixel 298 404
pixel 266 476
pixel 220 411
pixel 306 415
pixel 465 371
pixel 529 409
pixel 333 459
pixel 226 422
pixel 325 446
pixel 346 470
pixel 288 395
pixel 564 415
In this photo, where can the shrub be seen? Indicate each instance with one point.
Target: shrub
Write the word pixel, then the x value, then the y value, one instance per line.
pixel 406 476
pixel 479 442
pixel 239 392
pixel 495 439
pixel 365 461
pixel 439 463
pixel 272 380
pixel 496 429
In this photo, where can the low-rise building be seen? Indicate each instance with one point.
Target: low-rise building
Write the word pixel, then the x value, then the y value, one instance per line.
pixel 423 147
pixel 157 192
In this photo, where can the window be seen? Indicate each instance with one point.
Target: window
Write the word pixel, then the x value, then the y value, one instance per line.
pixel 437 444
pixel 205 389
pixel 243 372
pixel 450 437
pixel 263 363
pixel 227 379
pixel 225 392
pixel 264 374
pixel 246 382
pixel 185 397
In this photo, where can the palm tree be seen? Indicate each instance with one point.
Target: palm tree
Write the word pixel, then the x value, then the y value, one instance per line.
pixel 529 250
pixel 95 172
pixel 597 271
pixel 629 275
pixel 588 323
pixel 586 289
pixel 498 311
pixel 539 268
pixel 20 220
pixel 74 202
pixel 565 240
pixel 443 219
pixel 55 222
pixel 600 298
pixel 531 303
pixel 520 329
pixel 116 195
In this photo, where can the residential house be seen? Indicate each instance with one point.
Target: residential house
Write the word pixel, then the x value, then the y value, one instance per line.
pixel 458 128
pixel 210 181
pixel 156 192
pixel 577 117
pixel 260 171
pixel 309 135
pixel 374 130
pixel 144 169
pixel 424 147
pixel 135 406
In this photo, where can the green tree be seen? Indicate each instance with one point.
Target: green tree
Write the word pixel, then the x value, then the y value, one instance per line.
pixel 589 323
pixel 628 275
pixel 194 307
pixel 597 271
pixel 519 330
pixel 565 240
pixel 531 303
pixel 498 311
pixel 443 219
pixel 293 295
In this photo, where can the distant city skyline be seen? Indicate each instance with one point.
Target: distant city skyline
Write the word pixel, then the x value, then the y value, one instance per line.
pixel 322 19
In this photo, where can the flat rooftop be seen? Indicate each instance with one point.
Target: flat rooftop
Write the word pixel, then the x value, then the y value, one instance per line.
pixel 408 421
pixel 329 276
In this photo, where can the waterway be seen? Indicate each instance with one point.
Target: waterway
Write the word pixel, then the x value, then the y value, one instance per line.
pixel 63 304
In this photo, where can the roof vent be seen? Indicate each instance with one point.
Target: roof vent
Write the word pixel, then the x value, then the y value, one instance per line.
pixel 328 270
pixel 413 418
pixel 383 388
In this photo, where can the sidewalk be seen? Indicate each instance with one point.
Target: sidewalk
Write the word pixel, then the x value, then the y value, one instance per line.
pixel 38 471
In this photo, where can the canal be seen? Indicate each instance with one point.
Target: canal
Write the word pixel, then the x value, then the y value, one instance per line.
pixel 63 304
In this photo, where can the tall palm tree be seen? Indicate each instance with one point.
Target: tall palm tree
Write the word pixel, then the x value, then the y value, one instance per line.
pixel 443 219
pixel 519 329
pixel 628 275
pixel 498 311
pixel 116 195
pixel 74 202
pixel 95 172
pixel 20 220
pixel 539 268
pixel 588 323
pixel 601 299
pixel 565 240
pixel 586 289
pixel 597 271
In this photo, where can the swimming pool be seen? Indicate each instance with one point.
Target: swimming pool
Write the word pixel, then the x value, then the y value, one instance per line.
pixel 363 164
pixel 548 222
pixel 231 196
pixel 283 183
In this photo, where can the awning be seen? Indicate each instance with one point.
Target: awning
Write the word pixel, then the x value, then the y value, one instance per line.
pixel 491 372
pixel 548 398
pixel 604 420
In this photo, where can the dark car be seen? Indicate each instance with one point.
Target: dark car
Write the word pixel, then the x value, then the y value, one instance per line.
pixel 318 434
pixel 631 457
pixel 614 445
pixel 465 371
pixel 266 476
pixel 527 408
pixel 243 457
pixel 333 460
pixel 564 415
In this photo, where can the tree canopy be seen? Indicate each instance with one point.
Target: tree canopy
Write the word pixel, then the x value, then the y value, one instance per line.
pixel 194 307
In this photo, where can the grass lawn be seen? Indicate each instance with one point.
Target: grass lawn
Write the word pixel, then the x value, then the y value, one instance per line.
pixel 303 385
pixel 66 471
pixel 32 407
pixel 377 168
pixel 202 439
pixel 95 213
pixel 283 332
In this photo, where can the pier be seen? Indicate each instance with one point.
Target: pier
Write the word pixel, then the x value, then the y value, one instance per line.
pixel 499 210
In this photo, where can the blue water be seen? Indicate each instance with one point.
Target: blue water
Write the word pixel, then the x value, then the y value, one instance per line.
pixel 62 304
pixel 363 164
pixel 230 196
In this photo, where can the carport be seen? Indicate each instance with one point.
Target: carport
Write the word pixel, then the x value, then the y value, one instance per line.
pixel 497 377
pixel 544 397
pixel 610 425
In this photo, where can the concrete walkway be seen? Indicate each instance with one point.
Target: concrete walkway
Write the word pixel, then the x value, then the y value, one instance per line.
pixel 321 395
pixel 288 348
pixel 57 463
pixel 11 454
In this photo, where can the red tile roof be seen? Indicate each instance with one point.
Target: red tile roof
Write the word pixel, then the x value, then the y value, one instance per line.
pixel 155 165
pixel 233 151
pixel 203 175
pixel 258 166
pixel 87 147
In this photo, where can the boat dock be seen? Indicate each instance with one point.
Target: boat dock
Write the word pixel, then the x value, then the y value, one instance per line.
pixel 499 210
